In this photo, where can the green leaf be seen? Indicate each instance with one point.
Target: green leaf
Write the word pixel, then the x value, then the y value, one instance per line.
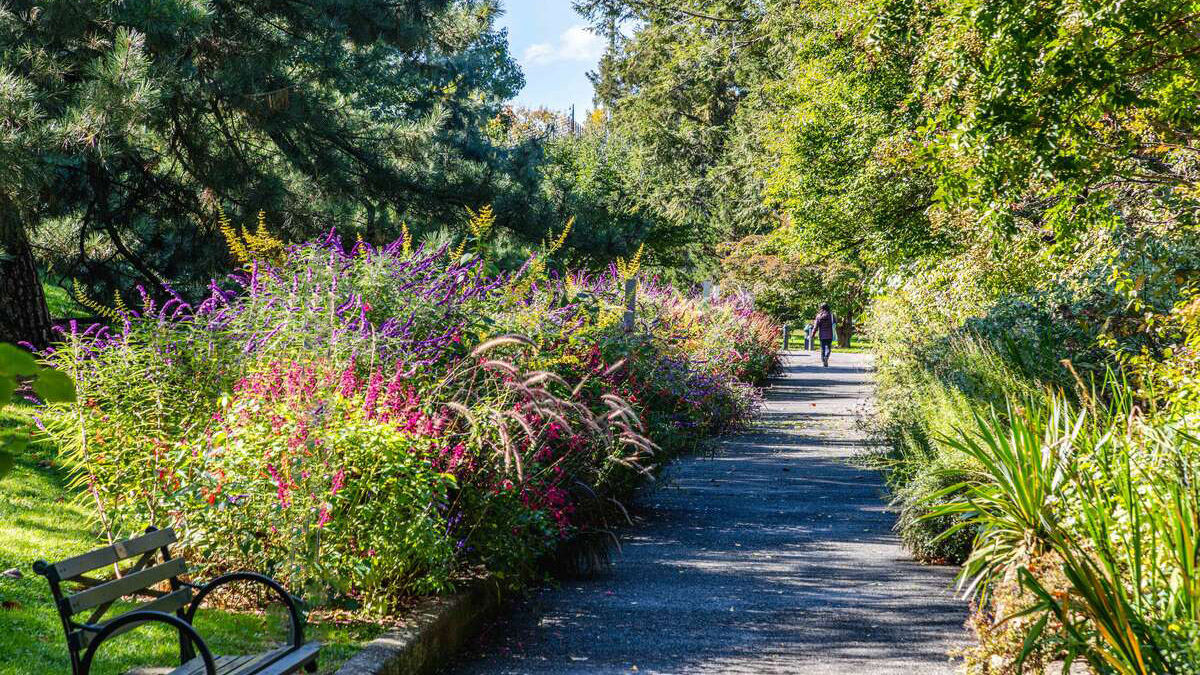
pixel 8 385
pixel 6 463
pixel 1031 640
pixel 14 442
pixel 54 386
pixel 16 361
pixel 1072 654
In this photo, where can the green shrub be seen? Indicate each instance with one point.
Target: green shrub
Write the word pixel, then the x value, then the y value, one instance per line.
pixel 928 535
pixel 1078 500
pixel 1014 499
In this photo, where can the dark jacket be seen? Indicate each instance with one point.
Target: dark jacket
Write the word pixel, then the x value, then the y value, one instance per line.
pixel 824 323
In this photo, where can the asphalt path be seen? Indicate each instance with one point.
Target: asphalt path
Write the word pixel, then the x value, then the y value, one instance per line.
pixel 773 554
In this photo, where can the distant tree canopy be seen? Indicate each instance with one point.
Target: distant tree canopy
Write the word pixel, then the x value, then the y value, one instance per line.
pixel 878 132
pixel 790 286
pixel 686 92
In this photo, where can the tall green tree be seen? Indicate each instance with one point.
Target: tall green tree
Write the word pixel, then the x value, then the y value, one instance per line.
pixel 682 85
pixel 607 18
pixel 842 160
pixel 593 178
pixel 1060 114
pixel 123 126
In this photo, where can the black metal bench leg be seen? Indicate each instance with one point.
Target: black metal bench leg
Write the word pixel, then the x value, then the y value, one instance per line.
pixel 311 666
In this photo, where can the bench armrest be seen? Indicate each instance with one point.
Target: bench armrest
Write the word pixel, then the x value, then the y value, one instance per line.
pixel 147 616
pixel 292 603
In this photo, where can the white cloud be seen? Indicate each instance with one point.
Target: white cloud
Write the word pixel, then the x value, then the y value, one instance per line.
pixel 577 43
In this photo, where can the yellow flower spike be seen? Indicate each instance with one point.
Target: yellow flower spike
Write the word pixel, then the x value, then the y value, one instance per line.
pixel 629 269
pixel 247 246
pixel 558 242
pixel 481 223
pixel 119 303
pixel 456 254
pixel 82 298
pixel 263 245
pixel 405 240
pixel 237 248
pixel 535 271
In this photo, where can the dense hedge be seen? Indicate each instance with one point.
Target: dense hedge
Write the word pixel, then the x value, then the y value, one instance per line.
pixel 1040 425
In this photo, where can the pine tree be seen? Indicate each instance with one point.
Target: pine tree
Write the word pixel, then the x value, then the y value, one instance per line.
pixel 123 126
pixel 606 17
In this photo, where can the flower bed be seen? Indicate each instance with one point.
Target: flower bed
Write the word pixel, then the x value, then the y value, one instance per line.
pixel 376 423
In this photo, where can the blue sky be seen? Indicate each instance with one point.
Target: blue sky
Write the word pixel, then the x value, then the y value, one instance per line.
pixel 555 49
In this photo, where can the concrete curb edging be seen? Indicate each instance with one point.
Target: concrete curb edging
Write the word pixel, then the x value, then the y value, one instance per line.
pixel 431 636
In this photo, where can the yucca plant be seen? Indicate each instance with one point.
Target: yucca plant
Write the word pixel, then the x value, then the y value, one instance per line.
pixel 1133 562
pixel 1013 500
pixel 1114 500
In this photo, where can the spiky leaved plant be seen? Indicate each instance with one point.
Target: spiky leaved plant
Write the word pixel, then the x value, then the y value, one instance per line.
pixel 1014 499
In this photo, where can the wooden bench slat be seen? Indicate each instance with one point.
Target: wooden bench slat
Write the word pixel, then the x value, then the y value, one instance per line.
pixel 109 555
pixel 254 663
pixel 251 663
pixel 286 657
pixel 125 585
pixel 275 662
pixel 291 662
pixel 196 665
pixel 233 663
pixel 222 662
pixel 167 603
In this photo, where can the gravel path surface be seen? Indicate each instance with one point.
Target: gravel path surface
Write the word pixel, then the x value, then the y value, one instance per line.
pixel 774 555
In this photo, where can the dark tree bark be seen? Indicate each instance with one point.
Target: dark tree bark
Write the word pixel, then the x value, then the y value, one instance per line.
pixel 845 331
pixel 853 307
pixel 23 312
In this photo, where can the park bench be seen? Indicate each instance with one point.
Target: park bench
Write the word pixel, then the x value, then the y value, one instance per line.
pixel 171 601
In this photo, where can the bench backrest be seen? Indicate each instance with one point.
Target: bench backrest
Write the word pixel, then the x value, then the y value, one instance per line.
pixel 152 567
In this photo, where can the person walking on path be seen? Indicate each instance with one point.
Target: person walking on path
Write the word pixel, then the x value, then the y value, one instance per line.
pixel 825 325
pixel 771 555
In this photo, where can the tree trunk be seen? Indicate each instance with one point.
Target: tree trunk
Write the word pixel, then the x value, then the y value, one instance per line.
pixel 845 332
pixel 23 312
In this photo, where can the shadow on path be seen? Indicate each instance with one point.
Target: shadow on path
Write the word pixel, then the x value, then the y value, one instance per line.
pixel 774 555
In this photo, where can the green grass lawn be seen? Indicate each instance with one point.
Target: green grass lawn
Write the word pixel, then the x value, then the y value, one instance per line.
pixel 60 302
pixel 39 519
pixel 796 341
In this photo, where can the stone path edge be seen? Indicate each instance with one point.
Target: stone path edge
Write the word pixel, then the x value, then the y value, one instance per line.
pixel 433 634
